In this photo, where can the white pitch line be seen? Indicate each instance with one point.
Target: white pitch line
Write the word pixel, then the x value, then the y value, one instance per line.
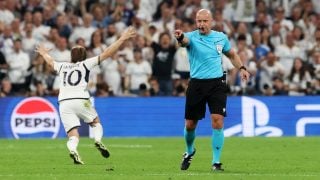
pixel 130 145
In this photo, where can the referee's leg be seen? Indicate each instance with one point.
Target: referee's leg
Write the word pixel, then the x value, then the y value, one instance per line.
pixel 217 140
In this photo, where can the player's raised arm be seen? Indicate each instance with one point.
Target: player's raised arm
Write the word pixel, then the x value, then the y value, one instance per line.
pixel 182 40
pixel 44 52
pixel 129 33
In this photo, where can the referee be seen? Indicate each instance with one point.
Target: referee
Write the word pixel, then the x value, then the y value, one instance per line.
pixel 205 48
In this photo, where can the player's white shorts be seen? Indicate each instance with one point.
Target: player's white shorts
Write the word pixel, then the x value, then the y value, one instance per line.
pixel 71 111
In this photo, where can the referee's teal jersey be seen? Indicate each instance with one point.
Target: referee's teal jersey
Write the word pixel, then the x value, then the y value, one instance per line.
pixel 205 54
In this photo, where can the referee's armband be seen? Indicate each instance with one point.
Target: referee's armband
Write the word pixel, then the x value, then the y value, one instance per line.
pixel 180 39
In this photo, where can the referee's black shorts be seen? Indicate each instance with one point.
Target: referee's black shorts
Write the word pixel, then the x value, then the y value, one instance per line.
pixel 203 91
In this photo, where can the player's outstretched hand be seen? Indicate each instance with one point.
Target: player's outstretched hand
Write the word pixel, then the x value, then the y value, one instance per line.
pixel 42 50
pixel 130 32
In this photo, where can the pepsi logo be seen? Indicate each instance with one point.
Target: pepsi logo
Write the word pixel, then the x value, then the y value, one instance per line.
pixel 35 117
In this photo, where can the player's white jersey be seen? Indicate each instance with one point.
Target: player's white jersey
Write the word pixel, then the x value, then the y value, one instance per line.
pixel 74 78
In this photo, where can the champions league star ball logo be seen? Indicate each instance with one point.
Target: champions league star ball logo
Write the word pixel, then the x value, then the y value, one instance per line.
pixel 35 117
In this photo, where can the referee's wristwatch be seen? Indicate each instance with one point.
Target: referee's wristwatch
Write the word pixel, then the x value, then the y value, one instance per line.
pixel 242 67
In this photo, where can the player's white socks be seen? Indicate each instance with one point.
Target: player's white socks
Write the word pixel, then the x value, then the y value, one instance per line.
pixel 97 132
pixel 72 143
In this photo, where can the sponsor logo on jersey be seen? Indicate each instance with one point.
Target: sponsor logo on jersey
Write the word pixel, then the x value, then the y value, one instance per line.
pixel 35 117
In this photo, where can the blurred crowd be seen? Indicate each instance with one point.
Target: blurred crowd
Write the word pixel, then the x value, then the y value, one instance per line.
pixel 277 40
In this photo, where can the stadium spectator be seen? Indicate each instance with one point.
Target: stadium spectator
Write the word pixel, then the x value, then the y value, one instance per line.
pixel 117 20
pixel 112 71
pixel 276 38
pixel 225 25
pixel 111 35
pixel 101 19
pixel 84 31
pixel 28 42
pixel 244 11
pixel 315 46
pixel 181 63
pixel 63 29
pixel 15 28
pixel 279 88
pixel 162 65
pixel 49 16
pixel 279 15
pixel 40 89
pixel 5 88
pixel 6 40
pixel 103 90
pixel 300 41
pixel 270 69
pixel 137 73
pixel 19 63
pixel 299 79
pixel 3 66
pixel 6 16
pixel 61 53
pixel 141 42
pixel 287 52
pixel 242 29
pixel 260 49
pixel 247 87
pixel 27 18
pixel 40 31
pixel 154 87
pixel 164 17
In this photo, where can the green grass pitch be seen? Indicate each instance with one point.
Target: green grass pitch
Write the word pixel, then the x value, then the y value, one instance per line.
pixel 159 158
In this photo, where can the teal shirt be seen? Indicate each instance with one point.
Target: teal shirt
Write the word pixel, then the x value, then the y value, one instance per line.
pixel 205 54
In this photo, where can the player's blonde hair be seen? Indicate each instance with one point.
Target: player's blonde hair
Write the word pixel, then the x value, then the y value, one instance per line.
pixel 78 53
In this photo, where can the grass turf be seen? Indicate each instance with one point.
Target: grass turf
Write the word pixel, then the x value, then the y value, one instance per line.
pixel 160 158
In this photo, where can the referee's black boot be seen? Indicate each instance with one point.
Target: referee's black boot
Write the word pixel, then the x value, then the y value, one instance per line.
pixel 186 160
pixel 217 167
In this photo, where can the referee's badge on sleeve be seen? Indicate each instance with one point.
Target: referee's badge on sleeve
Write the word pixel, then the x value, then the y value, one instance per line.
pixel 219 48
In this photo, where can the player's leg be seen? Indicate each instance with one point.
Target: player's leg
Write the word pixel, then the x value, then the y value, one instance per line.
pixel 72 145
pixel 97 134
pixel 217 140
pixel 89 115
pixel 71 123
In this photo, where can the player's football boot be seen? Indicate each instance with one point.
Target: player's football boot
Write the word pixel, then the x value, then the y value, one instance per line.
pixel 102 148
pixel 217 167
pixel 186 160
pixel 76 158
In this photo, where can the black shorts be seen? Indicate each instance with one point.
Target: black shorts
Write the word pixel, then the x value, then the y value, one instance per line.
pixel 203 91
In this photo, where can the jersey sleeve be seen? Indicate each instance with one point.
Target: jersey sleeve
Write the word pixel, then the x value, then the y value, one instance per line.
pixel 57 66
pixel 227 46
pixel 91 62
